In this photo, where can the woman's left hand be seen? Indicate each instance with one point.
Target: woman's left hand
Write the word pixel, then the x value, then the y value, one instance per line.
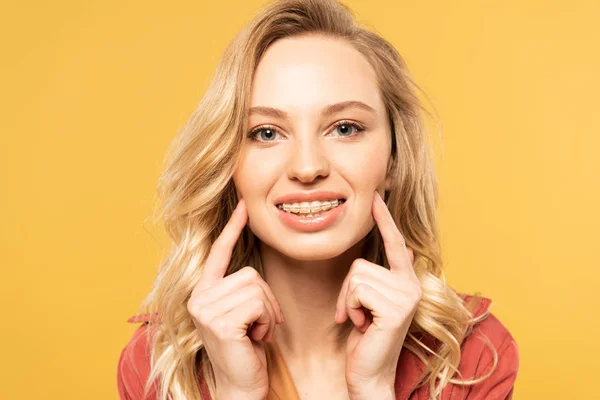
pixel 391 297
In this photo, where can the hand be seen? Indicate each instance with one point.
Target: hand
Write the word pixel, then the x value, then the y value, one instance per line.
pixel 390 299
pixel 223 310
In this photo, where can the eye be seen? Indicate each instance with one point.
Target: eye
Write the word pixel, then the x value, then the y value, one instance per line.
pixel 266 134
pixel 344 128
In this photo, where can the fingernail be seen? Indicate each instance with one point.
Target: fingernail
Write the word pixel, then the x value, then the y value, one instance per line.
pixel 238 204
pixel 378 196
pixel 336 315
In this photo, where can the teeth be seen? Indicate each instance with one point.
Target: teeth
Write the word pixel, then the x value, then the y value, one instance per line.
pixel 304 207
pixel 310 208
pixel 315 206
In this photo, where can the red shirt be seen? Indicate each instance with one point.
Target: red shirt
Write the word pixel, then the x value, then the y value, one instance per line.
pixel 476 360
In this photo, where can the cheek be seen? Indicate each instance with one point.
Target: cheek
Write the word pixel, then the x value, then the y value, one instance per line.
pixel 254 179
pixel 251 175
pixel 373 176
pixel 367 174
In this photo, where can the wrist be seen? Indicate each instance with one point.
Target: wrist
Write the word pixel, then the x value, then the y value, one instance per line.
pixel 224 392
pixel 379 393
pixel 237 395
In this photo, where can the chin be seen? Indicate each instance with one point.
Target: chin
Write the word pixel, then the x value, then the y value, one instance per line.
pixel 312 247
pixel 323 252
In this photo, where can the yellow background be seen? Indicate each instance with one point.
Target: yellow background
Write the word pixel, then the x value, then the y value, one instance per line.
pixel 93 92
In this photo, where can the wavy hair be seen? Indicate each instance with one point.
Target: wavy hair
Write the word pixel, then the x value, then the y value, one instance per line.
pixel 197 196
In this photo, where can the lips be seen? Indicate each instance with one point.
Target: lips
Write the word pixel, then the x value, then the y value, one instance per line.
pixel 317 222
pixel 299 197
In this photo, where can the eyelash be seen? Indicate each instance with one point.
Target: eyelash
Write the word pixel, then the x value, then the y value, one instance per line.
pixel 359 130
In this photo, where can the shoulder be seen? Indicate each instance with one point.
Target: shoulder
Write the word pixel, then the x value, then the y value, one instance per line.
pixel 134 363
pixel 487 333
pixel 489 348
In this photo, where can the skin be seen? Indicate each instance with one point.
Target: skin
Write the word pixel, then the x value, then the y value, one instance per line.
pixel 308 272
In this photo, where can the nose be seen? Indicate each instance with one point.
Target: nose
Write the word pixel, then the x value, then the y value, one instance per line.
pixel 308 160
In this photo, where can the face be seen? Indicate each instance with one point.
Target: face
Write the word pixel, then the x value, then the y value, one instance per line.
pixel 300 142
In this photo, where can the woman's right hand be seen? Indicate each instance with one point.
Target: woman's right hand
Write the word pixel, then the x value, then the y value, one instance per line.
pixel 233 314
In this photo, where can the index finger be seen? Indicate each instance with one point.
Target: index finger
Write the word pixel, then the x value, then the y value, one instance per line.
pixel 393 241
pixel 220 252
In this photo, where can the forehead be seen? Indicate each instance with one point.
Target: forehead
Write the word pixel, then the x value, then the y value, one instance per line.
pixel 307 73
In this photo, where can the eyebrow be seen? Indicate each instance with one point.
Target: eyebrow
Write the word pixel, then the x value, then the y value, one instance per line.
pixel 326 112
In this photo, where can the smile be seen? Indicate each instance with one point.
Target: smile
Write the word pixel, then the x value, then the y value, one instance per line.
pixel 310 209
pixel 311 216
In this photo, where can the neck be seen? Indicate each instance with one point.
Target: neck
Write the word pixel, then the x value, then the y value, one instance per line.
pixel 308 292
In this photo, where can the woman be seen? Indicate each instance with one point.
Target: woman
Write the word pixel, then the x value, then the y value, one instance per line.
pixel 303 185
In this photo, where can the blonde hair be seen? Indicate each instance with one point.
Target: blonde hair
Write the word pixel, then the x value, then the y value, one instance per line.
pixel 197 197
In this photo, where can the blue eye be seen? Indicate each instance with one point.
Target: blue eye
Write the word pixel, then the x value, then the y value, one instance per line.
pixel 268 134
pixel 344 128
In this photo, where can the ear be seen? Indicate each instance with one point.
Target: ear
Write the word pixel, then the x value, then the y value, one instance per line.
pixel 388 183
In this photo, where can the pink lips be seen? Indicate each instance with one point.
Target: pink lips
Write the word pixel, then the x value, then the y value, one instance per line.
pixel 321 221
pixel 316 195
